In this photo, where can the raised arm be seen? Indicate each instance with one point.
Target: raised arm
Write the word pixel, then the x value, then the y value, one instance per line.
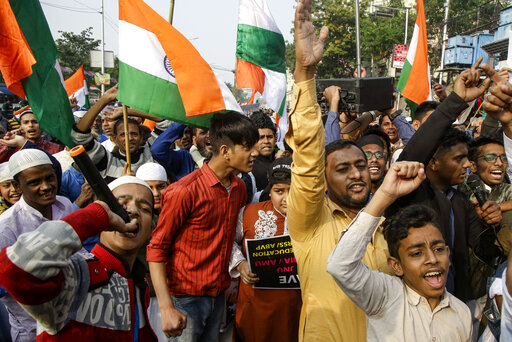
pixel 87 120
pixel 118 113
pixel 425 141
pixel 306 135
pixel 39 271
pixel 371 290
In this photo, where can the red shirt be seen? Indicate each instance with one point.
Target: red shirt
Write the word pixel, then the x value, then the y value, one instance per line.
pixel 195 232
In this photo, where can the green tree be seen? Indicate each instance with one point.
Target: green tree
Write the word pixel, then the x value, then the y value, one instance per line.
pixel 74 49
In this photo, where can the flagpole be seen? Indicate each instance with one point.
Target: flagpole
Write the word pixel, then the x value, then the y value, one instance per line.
pixel 127 140
pixel 171 12
pixel 445 27
pixel 102 45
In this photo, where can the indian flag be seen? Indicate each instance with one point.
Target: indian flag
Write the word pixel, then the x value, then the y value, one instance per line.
pixel 92 87
pixel 29 65
pixel 260 51
pixel 162 74
pixel 414 83
pixel 76 87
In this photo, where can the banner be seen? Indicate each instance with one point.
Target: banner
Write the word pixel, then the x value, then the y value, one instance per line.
pixel 273 261
pixel 399 55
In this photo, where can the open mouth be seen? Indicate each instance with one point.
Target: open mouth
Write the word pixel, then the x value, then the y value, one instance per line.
pixel 357 187
pixel 132 234
pixel 434 279
pixel 374 169
pixel 497 174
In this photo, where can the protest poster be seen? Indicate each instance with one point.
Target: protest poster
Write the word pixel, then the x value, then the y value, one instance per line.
pixel 273 261
pixel 399 55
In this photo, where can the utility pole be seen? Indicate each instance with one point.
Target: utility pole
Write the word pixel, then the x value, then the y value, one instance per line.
pixel 406 24
pixel 445 37
pixel 358 40
pixel 102 44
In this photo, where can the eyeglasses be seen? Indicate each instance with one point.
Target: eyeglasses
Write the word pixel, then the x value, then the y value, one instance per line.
pixel 378 154
pixel 491 157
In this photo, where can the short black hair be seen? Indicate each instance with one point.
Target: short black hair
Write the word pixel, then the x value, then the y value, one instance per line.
pixel 452 137
pixel 339 145
pixel 261 120
pixel 377 130
pixel 482 141
pixel 194 130
pixel 423 108
pixel 396 228
pixel 130 121
pixel 232 129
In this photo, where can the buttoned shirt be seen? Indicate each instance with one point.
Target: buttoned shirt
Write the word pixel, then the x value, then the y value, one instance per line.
pixel 18 219
pixel 314 225
pixel 394 311
pixel 195 232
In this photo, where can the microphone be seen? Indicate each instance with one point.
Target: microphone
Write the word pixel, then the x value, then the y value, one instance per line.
pixel 475 184
pixel 97 183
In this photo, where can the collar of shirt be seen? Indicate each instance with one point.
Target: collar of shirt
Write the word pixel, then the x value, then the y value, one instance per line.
pixel 212 179
pixel 113 261
pixel 414 298
pixel 334 207
pixel 58 206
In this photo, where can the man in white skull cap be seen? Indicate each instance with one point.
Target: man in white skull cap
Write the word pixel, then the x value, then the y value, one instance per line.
pixel 99 296
pixel 33 171
pixel 156 177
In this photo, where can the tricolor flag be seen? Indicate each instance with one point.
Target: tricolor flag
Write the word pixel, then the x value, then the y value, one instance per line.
pixel 414 83
pixel 29 65
pixel 76 87
pixel 92 87
pixel 260 51
pixel 162 74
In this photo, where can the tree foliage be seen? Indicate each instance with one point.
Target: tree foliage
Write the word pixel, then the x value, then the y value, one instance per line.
pixel 74 49
pixel 379 34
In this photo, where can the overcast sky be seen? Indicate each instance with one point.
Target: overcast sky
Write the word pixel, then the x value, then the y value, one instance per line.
pixel 209 24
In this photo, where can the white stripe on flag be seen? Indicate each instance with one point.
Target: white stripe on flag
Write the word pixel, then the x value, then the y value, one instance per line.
pixel 263 20
pixel 142 50
pixel 411 54
pixel 229 99
pixel 274 89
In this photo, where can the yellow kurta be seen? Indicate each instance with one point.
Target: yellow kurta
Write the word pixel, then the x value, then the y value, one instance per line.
pixel 315 225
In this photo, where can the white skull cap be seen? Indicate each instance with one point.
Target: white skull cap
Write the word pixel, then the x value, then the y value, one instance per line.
pixel 127 180
pixel 152 172
pixel 5 174
pixel 27 158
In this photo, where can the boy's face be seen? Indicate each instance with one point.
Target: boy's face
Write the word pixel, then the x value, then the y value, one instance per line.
pixel 278 196
pixel 424 262
pixel 241 157
pixel 377 167
pixel 491 172
pixel 267 142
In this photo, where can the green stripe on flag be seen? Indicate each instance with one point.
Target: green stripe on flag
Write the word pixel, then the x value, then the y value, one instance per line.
pixel 44 89
pixel 404 76
pixel 261 47
pixel 155 96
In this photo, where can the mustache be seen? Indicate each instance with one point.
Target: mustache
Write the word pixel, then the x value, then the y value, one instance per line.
pixel 362 182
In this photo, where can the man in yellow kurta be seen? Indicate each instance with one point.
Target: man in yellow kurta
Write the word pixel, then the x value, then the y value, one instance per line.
pixel 314 222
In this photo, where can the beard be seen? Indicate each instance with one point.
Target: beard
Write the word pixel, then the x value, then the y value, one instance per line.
pixel 204 152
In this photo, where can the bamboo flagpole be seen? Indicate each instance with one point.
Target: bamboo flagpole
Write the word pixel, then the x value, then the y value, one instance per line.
pixel 127 140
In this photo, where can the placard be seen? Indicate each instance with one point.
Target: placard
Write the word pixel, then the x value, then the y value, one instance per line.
pixel 400 55
pixel 273 261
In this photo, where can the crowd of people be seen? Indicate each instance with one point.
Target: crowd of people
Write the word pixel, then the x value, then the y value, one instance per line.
pixel 400 231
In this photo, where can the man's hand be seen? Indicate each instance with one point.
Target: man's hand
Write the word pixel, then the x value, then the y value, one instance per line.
pixel 173 321
pixel 332 95
pixel 490 212
pixel 247 277
pixel 308 48
pixel 116 222
pixel 13 140
pixel 85 196
pixel 498 103
pixel 110 95
pixel 126 172
pixel 363 73
pixel 73 102
pixel 466 84
pixel 402 178
pixel 440 90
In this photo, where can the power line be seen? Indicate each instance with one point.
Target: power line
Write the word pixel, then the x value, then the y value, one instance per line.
pixel 67 8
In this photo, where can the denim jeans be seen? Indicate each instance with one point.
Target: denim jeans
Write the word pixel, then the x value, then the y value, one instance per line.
pixel 204 316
